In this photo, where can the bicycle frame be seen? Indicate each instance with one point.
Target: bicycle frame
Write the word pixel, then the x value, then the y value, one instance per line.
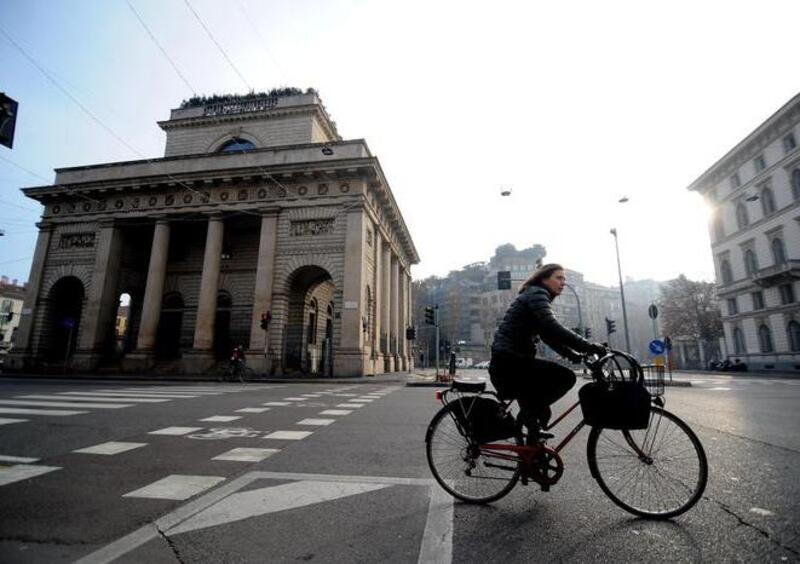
pixel 528 453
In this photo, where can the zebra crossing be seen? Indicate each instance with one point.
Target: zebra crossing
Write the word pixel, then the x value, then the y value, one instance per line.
pixel 66 404
pixel 178 486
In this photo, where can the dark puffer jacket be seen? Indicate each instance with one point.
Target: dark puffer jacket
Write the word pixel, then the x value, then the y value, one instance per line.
pixel 529 318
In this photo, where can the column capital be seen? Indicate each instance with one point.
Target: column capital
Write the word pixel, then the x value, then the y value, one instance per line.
pixel 269 211
pixel 45 225
pixel 107 222
pixel 214 215
pixel 160 219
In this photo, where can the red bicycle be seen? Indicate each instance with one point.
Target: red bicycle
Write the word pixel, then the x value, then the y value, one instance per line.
pixel 657 472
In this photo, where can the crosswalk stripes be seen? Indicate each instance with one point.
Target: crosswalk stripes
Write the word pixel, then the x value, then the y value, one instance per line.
pixel 69 403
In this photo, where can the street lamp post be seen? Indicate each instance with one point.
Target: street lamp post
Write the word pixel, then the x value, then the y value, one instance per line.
pixel 622 293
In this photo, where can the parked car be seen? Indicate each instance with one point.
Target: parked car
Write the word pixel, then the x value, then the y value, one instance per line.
pixel 483 365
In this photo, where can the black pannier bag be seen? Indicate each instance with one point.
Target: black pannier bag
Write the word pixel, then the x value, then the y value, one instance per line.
pixel 616 405
pixel 483 419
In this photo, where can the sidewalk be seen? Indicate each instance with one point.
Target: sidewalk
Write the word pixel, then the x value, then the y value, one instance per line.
pixel 427 377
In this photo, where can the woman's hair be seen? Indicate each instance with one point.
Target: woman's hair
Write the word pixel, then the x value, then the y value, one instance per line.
pixel 541 273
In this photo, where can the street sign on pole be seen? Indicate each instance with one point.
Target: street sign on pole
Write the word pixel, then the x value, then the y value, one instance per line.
pixel 657 346
pixel 652 311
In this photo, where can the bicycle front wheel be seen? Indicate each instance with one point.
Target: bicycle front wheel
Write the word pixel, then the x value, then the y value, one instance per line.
pixel 462 468
pixel 656 473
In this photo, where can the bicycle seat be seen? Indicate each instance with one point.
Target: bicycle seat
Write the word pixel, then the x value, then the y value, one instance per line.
pixel 472 386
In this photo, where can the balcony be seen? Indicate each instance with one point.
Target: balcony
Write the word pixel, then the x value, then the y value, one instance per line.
pixel 777 273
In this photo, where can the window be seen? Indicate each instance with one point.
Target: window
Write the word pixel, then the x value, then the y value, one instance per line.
pixel 778 251
pixel 733 308
pixel 796 183
pixel 793 332
pixel 725 271
pixel 750 263
pixel 735 181
pixel 237 145
pixel 789 143
pixel 718 227
pixel 765 339
pixel 759 163
pixel 738 341
pixel 741 215
pixel 787 293
pixel 767 202
pixel 758 300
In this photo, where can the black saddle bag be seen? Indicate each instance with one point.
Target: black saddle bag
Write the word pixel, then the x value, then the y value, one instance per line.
pixel 615 405
pixel 483 419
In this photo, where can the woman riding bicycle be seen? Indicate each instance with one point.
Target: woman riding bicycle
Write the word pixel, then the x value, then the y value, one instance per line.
pixel 514 369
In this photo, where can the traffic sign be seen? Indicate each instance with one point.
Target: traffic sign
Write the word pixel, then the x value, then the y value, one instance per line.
pixel 652 311
pixel 657 346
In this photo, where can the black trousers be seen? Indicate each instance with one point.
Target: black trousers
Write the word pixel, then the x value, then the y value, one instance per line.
pixel 534 383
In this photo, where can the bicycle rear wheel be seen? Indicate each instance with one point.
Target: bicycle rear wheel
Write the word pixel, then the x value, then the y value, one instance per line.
pixel 459 466
pixel 657 473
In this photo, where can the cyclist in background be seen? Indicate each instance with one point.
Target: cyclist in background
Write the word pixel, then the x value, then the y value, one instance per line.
pixel 515 371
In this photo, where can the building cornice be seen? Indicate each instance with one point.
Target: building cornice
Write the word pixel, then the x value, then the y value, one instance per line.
pixel 779 122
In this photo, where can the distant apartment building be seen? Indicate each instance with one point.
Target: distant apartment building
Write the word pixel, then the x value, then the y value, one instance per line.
pixel 11 298
pixel 471 306
pixel 754 191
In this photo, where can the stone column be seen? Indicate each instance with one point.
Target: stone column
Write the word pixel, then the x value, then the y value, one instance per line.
pixel 262 300
pixel 21 356
pixel 386 289
pixel 209 282
pixel 153 293
pixel 394 316
pixel 349 359
pixel 378 293
pixel 401 321
pixel 101 302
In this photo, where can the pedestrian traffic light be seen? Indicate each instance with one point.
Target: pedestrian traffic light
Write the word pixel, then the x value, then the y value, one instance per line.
pixel 611 326
pixel 504 280
pixel 588 332
pixel 430 316
pixel 411 333
pixel 266 317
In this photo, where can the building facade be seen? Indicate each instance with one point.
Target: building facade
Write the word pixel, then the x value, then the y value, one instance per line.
pixel 754 191
pixel 259 227
pixel 11 300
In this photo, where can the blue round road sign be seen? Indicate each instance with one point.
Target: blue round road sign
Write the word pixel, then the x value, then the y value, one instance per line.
pixel 657 346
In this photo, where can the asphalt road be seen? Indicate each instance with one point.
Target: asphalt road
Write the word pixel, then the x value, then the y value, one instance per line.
pixel 300 473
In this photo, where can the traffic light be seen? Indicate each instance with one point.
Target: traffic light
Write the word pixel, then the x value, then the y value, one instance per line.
pixel 588 332
pixel 611 326
pixel 8 120
pixel 504 280
pixel 266 317
pixel 411 333
pixel 430 315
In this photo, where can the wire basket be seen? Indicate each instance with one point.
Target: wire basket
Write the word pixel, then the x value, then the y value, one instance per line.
pixel 654 379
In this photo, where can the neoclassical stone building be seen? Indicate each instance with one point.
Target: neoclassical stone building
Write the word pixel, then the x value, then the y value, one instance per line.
pixel 258 209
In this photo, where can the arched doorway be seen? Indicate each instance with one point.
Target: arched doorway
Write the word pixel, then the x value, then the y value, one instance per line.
pixel 168 342
pixel 222 326
pixel 308 341
pixel 66 299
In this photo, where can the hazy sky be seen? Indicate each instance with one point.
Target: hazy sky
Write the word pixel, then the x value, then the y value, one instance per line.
pixel 572 105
